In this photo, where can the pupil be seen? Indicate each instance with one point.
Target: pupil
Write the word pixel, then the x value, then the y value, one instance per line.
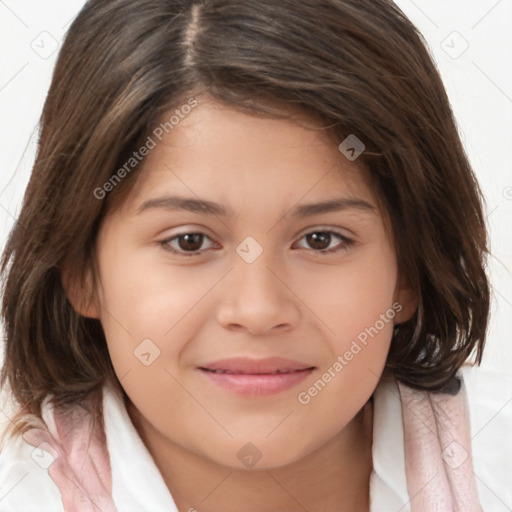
pixel 193 241
pixel 322 238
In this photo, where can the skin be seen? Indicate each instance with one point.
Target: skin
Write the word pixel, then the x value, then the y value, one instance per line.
pixel 291 301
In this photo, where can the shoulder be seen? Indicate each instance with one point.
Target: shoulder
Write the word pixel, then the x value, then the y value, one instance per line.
pixel 25 485
pixel 490 406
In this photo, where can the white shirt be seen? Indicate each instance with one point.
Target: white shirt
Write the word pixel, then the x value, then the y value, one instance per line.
pixel 138 486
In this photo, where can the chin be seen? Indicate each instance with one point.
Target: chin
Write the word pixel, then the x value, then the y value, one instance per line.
pixel 255 456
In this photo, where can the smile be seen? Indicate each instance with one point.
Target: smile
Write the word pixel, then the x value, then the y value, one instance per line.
pixel 256 384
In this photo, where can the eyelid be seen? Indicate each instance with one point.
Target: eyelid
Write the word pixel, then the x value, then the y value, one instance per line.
pixel 322 228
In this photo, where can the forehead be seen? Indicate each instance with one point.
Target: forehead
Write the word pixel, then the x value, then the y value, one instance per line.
pixel 242 159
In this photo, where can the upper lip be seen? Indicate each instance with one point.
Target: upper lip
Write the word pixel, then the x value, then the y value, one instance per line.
pixel 252 366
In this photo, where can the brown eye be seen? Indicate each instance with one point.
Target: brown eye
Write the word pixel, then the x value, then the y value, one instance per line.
pixel 185 244
pixel 321 242
pixel 190 241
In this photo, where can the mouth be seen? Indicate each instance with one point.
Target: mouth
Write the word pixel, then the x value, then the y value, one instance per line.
pixel 256 377
pixel 277 372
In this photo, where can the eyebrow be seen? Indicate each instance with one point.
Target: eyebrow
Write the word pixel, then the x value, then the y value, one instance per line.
pixel 203 206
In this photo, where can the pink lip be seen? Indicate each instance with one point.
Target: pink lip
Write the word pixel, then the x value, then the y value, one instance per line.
pixel 256 377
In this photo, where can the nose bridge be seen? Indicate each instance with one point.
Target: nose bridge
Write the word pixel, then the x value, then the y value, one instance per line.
pixel 254 272
pixel 255 297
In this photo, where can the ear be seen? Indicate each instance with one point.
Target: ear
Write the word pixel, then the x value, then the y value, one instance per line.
pixel 407 298
pixel 81 292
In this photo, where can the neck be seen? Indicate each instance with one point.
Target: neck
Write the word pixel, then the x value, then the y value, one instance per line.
pixel 333 478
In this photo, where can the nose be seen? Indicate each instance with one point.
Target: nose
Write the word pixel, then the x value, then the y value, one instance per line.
pixel 257 298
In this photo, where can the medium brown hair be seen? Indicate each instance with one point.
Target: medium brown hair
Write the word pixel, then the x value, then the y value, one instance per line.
pixel 358 66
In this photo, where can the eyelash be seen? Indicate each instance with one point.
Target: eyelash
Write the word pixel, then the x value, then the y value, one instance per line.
pixel 345 245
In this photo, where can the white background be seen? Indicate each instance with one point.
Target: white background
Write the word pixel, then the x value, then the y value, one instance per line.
pixel 478 81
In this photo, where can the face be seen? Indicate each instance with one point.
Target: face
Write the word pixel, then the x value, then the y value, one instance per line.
pixel 260 273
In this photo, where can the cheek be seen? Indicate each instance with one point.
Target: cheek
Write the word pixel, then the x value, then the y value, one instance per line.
pixel 357 308
pixel 143 306
pixel 352 296
pixel 146 315
pixel 148 298
pixel 347 378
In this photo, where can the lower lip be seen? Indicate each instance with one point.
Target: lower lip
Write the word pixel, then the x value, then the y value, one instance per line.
pixel 257 384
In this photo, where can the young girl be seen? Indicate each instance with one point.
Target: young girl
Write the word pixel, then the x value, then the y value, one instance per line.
pixel 248 270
